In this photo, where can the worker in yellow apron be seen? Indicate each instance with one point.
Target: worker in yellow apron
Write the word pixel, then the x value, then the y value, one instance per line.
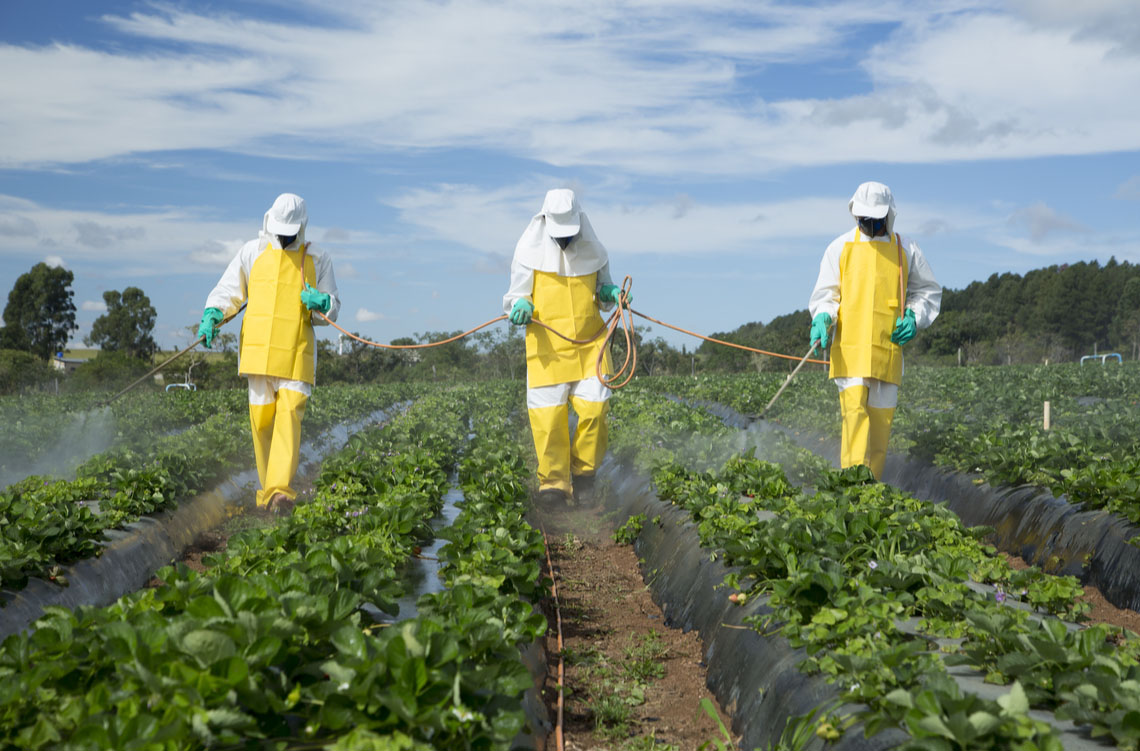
pixel 281 279
pixel 560 275
pixel 878 289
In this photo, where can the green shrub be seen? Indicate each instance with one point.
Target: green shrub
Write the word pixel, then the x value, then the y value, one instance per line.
pixel 20 371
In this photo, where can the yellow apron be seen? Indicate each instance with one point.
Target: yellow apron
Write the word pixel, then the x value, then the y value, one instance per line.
pixel 871 279
pixel 277 333
pixel 566 304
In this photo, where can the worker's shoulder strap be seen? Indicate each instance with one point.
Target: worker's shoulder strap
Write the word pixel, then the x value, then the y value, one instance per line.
pixel 902 284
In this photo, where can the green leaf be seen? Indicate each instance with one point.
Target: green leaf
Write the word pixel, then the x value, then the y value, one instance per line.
pixel 232 670
pixel 900 697
pixel 337 713
pixel 342 603
pixel 983 722
pixel 414 647
pixel 208 646
pixel 264 650
pixel 229 719
pixel 1015 702
pixel 935 726
pixel 350 641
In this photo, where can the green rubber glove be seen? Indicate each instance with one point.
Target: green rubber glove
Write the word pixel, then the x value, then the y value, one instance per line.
pixel 905 328
pixel 314 300
pixel 521 311
pixel 211 319
pixel 819 330
pixel 612 293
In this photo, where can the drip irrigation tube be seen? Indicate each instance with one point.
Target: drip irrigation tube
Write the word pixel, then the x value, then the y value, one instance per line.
pixel 558 725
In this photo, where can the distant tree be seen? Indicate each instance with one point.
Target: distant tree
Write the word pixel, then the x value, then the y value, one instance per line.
pixel 21 370
pixel 503 351
pixel 788 335
pixel 657 357
pixel 40 314
pixel 110 369
pixel 717 357
pixel 127 325
pixel 1127 320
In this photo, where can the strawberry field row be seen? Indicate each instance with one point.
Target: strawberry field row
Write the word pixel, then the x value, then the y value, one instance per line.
pixel 270 645
pixel 987 421
pixel 47 522
pixel 881 592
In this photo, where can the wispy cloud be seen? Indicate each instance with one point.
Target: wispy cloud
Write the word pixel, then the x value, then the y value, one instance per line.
pixel 1129 190
pixel 364 315
pixel 144 242
pixel 94 306
pixel 648 88
pixel 1041 221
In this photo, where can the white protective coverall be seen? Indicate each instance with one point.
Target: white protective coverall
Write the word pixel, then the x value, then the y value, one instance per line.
pixel 563 285
pixel 278 353
pixel 859 286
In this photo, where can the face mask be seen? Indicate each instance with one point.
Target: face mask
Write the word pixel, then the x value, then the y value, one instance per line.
pixel 564 241
pixel 286 240
pixel 872 227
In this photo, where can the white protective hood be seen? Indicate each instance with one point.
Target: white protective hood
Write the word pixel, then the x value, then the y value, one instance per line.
pixel 286 213
pixel 538 251
pixel 874 200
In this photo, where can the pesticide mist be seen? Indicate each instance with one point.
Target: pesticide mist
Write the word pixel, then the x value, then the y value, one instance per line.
pixel 63 442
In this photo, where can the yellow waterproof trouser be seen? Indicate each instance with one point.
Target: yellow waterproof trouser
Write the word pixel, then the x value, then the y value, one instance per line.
pixel 866 431
pixel 558 459
pixel 591 437
pixel 880 433
pixel 856 426
pixel 277 443
pixel 550 427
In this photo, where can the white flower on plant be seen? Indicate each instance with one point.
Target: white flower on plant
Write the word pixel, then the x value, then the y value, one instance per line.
pixel 872 564
pixel 463 714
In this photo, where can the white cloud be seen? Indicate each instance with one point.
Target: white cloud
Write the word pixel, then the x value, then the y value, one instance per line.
pixel 363 315
pixel 1129 190
pixel 655 88
pixel 1114 20
pixel 100 236
pixel 1043 221
pixel 94 306
pixel 345 270
pixel 215 252
pixel 56 262
pixel 143 242
pixel 483 219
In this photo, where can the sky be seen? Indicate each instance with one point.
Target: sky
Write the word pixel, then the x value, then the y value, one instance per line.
pixel 713 145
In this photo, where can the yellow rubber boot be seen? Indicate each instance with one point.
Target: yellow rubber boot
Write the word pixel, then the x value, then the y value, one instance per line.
pixel 856 426
pixel 285 452
pixel 551 430
pixel 880 419
pixel 261 423
pixel 591 437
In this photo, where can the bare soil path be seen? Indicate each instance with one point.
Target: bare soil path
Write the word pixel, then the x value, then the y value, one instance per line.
pixel 631 682
pixel 1102 610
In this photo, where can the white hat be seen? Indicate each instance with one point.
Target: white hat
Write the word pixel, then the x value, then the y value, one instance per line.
pixel 561 211
pixel 872 200
pixel 287 216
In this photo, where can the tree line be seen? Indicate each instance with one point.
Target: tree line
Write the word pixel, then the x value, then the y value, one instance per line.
pixel 1056 314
